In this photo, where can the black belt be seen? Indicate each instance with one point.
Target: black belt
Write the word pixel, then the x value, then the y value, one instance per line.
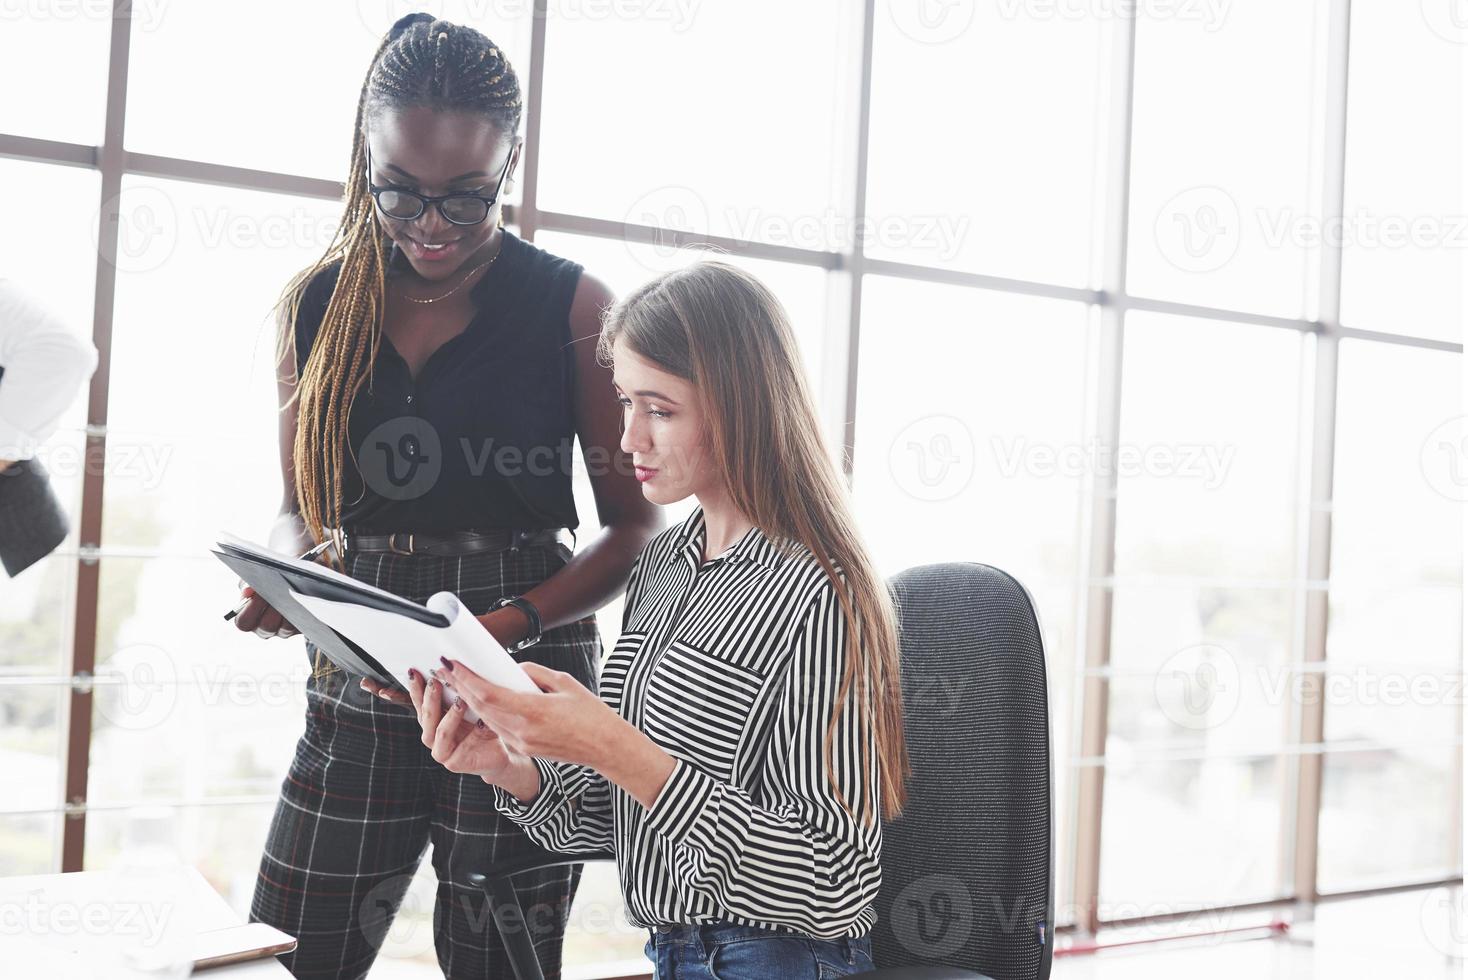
pixel 451 543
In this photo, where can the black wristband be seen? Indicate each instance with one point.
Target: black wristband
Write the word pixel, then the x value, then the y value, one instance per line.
pixel 531 613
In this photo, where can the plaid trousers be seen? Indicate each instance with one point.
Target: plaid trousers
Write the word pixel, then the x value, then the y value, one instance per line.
pixel 363 799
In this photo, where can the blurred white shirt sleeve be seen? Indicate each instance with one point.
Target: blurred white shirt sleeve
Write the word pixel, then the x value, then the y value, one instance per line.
pixel 46 364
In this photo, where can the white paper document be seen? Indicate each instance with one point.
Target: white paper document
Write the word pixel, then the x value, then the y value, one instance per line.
pixel 398 642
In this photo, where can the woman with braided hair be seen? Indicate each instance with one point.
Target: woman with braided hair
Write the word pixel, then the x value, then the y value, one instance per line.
pixel 434 371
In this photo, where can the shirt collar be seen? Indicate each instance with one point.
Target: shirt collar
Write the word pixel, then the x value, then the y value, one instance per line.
pixel 753 546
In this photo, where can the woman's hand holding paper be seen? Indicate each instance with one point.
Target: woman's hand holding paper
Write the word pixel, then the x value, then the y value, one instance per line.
pixel 505 625
pixel 467 747
pixel 563 722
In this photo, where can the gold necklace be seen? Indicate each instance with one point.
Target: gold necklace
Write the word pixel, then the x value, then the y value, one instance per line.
pixel 467 276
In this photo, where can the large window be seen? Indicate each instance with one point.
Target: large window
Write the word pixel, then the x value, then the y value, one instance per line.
pixel 637 129
pixel 1393 701
pixel 983 129
pixel 1220 178
pixel 1403 229
pixel 1160 313
pixel 1205 542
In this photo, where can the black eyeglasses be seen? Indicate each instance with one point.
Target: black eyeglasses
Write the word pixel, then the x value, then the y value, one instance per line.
pixel 458 209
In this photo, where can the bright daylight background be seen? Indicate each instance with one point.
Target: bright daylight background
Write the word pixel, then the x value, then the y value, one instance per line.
pixel 1028 288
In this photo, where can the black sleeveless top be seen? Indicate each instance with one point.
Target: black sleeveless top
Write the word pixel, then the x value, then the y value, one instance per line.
pixel 484 437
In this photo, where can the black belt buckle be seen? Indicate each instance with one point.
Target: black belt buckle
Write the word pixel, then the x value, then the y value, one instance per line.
pixel 392 544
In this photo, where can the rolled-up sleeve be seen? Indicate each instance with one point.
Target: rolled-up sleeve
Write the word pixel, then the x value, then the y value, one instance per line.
pixel 572 811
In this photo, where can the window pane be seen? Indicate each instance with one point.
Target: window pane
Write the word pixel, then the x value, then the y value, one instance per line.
pixel 706 118
pixel 1364 797
pixel 63 200
pixel 1210 435
pixel 32 744
pixel 624 266
pixel 1220 155
pixel 970 411
pixel 1200 668
pixel 216 465
pixel 208 242
pixel 186 706
pixel 1405 230
pixel 1395 626
pixel 1406 629
pixel 1402 454
pixel 970 425
pixel 1392 703
pixel 960 174
pixel 961 455
pixel 1396 603
pixel 36 610
pixel 1152 621
pixel 247 107
pixel 176 494
pixel 1188 835
pixel 42 42
pixel 30 844
pixel 1207 484
pixel 223 842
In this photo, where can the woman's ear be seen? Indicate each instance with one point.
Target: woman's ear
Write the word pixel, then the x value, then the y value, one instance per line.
pixel 514 173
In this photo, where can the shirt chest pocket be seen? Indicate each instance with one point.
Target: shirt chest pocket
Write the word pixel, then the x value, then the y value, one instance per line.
pixel 699 706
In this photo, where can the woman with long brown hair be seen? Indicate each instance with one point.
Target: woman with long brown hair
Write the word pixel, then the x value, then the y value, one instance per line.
pixel 746 741
pixel 435 370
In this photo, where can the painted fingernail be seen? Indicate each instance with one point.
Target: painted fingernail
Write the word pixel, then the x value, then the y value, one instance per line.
pixel 446 664
pixel 458 704
pixel 412 674
pixel 480 723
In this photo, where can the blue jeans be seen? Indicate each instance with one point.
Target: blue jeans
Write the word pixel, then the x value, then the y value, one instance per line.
pixel 723 951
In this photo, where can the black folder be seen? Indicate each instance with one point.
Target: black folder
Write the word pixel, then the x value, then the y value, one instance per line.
pixel 279 581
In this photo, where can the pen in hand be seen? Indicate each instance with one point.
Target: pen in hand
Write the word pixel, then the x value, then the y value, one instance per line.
pixel 237 609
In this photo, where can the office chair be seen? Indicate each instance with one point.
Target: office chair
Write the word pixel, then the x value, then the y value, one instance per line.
pixel 966 883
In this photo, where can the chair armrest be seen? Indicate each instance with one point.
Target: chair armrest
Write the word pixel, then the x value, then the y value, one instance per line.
pixel 504 904
pixel 921 973
pixel 533 862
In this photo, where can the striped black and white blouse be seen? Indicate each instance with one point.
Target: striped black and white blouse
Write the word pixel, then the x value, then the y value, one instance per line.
pixel 732 667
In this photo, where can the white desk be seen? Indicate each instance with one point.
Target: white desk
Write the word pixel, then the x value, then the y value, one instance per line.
pixel 64 925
